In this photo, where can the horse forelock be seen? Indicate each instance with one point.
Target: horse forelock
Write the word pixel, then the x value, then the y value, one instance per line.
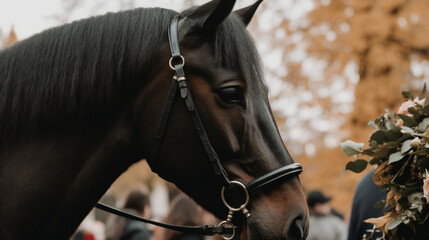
pixel 77 69
pixel 235 50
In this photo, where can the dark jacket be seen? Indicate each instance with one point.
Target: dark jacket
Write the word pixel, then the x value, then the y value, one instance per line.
pixel 367 194
pixel 136 231
pixel 119 228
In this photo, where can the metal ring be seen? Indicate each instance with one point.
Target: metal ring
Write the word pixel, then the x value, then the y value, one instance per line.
pixel 171 62
pixel 233 230
pixel 243 205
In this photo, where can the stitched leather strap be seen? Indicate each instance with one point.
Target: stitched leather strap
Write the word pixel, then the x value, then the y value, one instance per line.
pixel 173 37
pixel 207 230
pixel 185 94
pixel 164 118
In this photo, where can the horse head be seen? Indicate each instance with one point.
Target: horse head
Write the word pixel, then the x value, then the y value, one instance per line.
pixel 224 76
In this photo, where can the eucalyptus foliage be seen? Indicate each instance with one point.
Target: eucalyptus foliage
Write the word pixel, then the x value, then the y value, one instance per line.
pixel 399 149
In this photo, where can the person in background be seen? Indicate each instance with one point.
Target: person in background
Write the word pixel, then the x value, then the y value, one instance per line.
pixel 100 215
pixel 185 212
pixel 119 228
pixel 367 194
pixel 323 224
pixel 90 229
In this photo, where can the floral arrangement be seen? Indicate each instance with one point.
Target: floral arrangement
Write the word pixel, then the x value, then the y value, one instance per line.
pixel 399 148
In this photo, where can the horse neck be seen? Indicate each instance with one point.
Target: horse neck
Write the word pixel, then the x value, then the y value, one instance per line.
pixel 63 173
pixel 57 180
pixel 78 71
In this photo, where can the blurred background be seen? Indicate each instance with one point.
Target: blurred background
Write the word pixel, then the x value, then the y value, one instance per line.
pixel 331 66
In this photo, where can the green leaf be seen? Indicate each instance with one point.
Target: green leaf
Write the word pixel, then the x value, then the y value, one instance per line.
pixel 351 148
pixel 408 130
pixel 373 143
pixel 403 138
pixel 413 111
pixel 406 95
pixel 372 124
pixel 410 190
pixel 426 109
pixel 368 152
pixel 394 134
pixel 408 121
pixel 395 223
pixel 406 146
pixel 375 161
pixel 395 157
pixel 379 136
pixel 423 125
pixel 357 166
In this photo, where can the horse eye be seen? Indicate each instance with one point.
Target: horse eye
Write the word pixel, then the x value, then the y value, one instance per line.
pixel 231 95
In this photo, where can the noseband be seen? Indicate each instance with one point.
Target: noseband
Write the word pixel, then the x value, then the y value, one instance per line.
pixel 176 63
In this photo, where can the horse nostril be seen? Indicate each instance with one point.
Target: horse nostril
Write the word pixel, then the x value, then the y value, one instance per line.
pixel 296 229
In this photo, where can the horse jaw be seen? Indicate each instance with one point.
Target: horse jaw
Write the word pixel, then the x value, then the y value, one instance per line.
pixel 276 215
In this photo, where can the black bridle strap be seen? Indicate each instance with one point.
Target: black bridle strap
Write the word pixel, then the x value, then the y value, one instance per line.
pixel 288 170
pixel 212 156
pixel 164 118
pixel 173 37
pixel 180 81
pixel 186 95
pixel 207 230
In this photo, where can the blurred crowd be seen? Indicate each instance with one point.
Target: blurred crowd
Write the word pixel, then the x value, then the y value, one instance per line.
pixel 182 211
pixel 326 223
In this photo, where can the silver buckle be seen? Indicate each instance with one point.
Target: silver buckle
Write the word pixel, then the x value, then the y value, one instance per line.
pixel 231 209
pixel 170 62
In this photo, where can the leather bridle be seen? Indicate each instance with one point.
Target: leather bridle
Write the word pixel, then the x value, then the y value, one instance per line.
pixel 225 228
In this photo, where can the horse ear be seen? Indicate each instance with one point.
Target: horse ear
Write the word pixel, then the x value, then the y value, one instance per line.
pixel 212 13
pixel 247 13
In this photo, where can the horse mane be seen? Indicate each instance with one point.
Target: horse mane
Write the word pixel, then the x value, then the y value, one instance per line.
pixel 81 71
pixel 68 73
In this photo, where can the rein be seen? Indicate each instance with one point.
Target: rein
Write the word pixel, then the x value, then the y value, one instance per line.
pixel 207 230
pixel 226 228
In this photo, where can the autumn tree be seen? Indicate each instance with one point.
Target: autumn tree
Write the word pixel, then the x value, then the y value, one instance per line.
pixel 371 49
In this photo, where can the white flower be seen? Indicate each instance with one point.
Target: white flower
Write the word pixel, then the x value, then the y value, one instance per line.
pixel 419 102
pixel 403 109
pixel 416 142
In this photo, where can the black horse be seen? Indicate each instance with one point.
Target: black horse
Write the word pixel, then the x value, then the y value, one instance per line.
pixel 80 103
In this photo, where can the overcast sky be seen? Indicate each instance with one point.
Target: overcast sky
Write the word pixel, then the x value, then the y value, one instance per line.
pixel 30 16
